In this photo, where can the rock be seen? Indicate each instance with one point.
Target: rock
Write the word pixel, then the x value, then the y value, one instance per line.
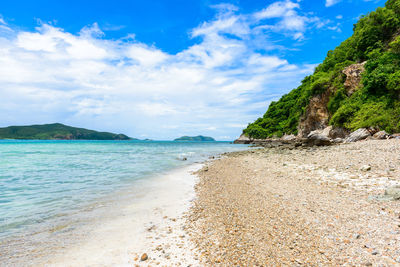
pixel 243 139
pixel 365 168
pixel 316 116
pixel 289 137
pixel 317 139
pixel 353 77
pixel 338 132
pixel 393 192
pixel 358 135
pixel 381 135
pixel 338 140
pixel 373 130
pixel 332 133
pixel 396 135
pixel 144 257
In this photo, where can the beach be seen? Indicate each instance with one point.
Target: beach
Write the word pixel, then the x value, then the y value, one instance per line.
pixel 98 203
pixel 313 206
pixel 317 206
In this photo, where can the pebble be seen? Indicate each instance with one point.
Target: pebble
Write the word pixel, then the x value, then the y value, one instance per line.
pixel 365 168
pixel 144 257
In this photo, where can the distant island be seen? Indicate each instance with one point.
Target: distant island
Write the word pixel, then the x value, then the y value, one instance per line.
pixel 195 138
pixel 57 131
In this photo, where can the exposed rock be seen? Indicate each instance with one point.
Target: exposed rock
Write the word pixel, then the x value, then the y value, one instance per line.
pixel 373 130
pixel 326 132
pixel 243 139
pixel 393 192
pixel 358 135
pixel 317 139
pixel 144 257
pixel 316 116
pixel 353 77
pixel 381 135
pixel 338 132
pixel 396 135
pixel 331 132
pixel 338 140
pixel 288 137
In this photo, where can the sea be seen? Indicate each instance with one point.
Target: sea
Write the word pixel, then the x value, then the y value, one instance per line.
pixel 52 185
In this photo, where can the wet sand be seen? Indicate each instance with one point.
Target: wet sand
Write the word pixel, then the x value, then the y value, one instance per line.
pixel 140 222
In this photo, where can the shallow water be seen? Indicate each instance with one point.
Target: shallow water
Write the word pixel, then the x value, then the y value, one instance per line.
pixel 44 181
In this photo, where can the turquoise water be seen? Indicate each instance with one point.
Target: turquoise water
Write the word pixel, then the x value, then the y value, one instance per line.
pixel 40 180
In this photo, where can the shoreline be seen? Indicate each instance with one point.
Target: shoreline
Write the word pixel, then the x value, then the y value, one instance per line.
pixel 151 225
pixel 121 230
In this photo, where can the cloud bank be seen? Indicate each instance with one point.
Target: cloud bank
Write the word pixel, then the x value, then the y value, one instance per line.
pixel 213 87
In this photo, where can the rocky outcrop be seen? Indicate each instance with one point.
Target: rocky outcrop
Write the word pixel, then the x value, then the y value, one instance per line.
pixel 243 139
pixel 353 77
pixel 313 126
pixel 316 116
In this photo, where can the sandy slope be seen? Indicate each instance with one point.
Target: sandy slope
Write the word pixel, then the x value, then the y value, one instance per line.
pixel 305 206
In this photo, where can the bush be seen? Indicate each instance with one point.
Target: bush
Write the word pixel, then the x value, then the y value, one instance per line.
pixel 394 82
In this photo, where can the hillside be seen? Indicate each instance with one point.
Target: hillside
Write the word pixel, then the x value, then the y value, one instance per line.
pixel 195 138
pixel 56 131
pixel 357 85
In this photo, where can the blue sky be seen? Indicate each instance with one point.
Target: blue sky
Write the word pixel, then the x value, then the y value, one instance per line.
pixel 161 69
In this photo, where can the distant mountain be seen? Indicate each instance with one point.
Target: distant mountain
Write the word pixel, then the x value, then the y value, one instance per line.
pixel 56 131
pixel 195 138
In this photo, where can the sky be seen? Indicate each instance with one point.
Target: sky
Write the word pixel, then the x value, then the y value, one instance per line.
pixel 161 69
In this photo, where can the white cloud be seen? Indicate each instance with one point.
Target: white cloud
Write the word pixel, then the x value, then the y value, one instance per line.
pixel 216 86
pixel 225 8
pixel 277 9
pixel 290 20
pixel 329 3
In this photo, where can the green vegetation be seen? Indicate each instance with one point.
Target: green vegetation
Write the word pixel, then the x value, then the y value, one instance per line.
pixel 56 131
pixel 376 39
pixel 195 138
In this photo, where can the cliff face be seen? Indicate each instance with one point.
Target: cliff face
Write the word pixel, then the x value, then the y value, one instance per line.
pixel 317 115
pixel 353 77
pixel 356 86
